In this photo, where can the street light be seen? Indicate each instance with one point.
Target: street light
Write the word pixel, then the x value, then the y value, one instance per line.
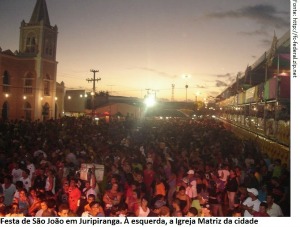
pixel 186 87
pixel 150 100
pixel 186 76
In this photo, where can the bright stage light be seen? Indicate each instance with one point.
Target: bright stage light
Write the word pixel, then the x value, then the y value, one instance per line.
pixel 150 101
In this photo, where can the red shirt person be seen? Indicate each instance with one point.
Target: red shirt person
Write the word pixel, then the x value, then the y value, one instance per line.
pixel 149 177
pixel 74 196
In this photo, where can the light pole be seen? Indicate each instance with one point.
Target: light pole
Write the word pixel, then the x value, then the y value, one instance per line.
pixel 186 76
pixel 186 87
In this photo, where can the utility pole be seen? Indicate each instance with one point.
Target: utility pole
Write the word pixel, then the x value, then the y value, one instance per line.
pixel 155 91
pixel 148 91
pixel 172 97
pixel 94 79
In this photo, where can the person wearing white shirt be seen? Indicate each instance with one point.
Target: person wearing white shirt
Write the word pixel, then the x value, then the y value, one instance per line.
pixel 26 179
pixel 224 173
pixel 9 190
pixel 31 168
pixel 274 210
pixel 191 189
pixel 16 173
pixel 252 203
pixel 88 190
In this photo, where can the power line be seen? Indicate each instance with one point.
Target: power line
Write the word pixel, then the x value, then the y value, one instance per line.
pixel 94 80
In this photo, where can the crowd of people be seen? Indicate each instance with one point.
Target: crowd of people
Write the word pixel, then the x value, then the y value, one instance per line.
pixel 152 168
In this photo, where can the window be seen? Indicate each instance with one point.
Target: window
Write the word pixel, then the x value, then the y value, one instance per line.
pixel 28 83
pixel 47 85
pixel 49 48
pixel 6 82
pixel 30 43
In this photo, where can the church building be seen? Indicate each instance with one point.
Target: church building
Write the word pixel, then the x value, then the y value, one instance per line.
pixel 28 88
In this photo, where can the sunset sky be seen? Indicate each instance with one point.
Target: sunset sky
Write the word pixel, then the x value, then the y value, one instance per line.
pixel 152 44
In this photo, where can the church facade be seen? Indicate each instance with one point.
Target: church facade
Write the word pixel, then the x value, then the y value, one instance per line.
pixel 28 87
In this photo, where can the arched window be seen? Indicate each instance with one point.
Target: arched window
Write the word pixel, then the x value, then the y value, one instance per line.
pixel 6 82
pixel 49 48
pixel 28 83
pixel 27 111
pixel 31 43
pixel 47 85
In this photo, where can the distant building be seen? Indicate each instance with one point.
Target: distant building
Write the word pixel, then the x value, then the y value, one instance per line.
pixel 28 85
pixel 75 102
pixel 79 103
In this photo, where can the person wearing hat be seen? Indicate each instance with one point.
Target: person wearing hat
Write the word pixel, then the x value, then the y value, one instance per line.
pixel 155 211
pixel 252 203
pixel 191 189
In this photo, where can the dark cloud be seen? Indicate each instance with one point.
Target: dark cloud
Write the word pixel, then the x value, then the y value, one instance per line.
pixel 221 84
pixel 162 74
pixel 224 75
pixel 263 14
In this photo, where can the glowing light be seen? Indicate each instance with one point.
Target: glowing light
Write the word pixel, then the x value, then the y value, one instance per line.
pixel 24 97
pixel 150 101
pixel 69 97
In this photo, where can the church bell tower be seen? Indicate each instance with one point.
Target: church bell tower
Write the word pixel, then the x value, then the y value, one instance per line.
pixel 38 37
pixel 38 43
